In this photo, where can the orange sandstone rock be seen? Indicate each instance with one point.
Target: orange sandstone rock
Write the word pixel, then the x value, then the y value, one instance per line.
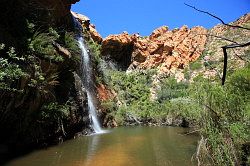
pixel 104 94
pixel 94 34
pixel 163 49
pixel 85 21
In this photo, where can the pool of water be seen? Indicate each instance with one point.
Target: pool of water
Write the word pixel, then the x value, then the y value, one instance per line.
pixel 126 146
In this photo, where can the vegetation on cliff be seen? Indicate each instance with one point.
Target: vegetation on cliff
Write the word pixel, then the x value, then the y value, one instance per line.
pixel 39 101
pixel 220 114
pixel 167 82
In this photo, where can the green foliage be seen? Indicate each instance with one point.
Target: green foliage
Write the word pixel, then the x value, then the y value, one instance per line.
pixel 72 45
pixel 48 120
pixel 225 116
pixel 10 70
pixel 171 89
pixel 221 113
pixel 41 46
pixel 196 65
pixel 29 77
pixel 52 111
pixel 185 107
pixel 240 81
pixel 133 91
pixel 187 73
pixel 210 64
pixel 246 24
pixel 131 87
pixel 44 83
pixel 95 49
pixel 34 63
pixel 41 43
pixel 246 55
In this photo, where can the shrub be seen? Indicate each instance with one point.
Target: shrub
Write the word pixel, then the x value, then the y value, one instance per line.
pixel 134 94
pixel 240 81
pixel 131 87
pixel 222 122
pixel 196 65
pixel 41 43
pixel 10 70
pixel 95 50
pixel 53 111
pixel 28 85
pixel 170 89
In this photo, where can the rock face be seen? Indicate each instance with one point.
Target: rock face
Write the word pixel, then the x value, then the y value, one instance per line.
pixel 243 20
pixel 60 8
pixel 163 49
pixel 56 10
pixel 94 34
pixel 43 13
pixel 104 94
pixel 19 20
pixel 120 48
pixel 85 21
pixel 213 54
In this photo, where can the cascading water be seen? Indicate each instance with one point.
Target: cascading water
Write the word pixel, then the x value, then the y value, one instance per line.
pixel 88 83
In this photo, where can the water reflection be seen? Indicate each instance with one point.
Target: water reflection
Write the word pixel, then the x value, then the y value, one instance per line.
pixel 92 148
pixel 140 146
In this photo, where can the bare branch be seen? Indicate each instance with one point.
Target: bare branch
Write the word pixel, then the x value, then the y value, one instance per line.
pixel 224 66
pixel 239 56
pixel 226 39
pixel 214 16
pixel 237 45
pixel 223 38
pixel 224 48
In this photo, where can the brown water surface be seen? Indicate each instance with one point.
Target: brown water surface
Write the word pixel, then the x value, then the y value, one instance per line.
pixel 126 146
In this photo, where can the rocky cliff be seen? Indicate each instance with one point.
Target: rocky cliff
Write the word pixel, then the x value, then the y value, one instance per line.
pixel 182 52
pixel 85 22
pixel 16 13
pixel 170 50
pixel 219 36
pixel 42 100
pixel 163 49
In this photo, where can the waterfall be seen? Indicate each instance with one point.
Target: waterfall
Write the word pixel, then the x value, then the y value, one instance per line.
pixel 87 79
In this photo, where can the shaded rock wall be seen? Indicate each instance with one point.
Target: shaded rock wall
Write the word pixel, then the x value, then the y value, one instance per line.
pixel 15 14
pixel 21 121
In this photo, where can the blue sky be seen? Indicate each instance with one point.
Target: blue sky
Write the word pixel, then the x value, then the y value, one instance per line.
pixel 143 16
